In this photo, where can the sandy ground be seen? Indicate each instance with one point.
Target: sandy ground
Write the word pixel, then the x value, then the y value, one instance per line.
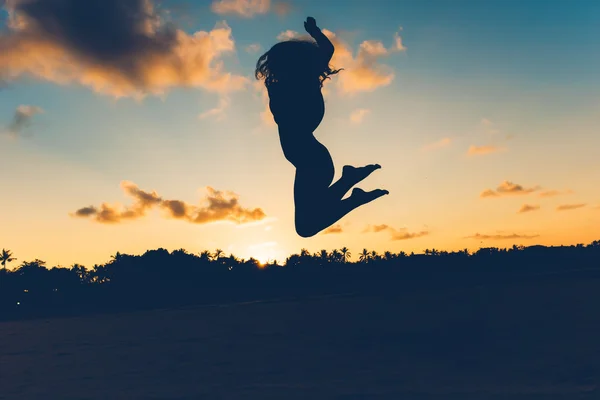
pixel 518 341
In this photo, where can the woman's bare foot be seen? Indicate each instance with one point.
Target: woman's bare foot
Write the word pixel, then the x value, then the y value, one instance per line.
pixel 362 197
pixel 355 175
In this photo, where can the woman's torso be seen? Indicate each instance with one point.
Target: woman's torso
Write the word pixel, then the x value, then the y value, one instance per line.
pixel 297 106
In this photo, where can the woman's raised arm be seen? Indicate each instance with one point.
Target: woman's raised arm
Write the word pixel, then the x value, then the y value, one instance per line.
pixel 323 41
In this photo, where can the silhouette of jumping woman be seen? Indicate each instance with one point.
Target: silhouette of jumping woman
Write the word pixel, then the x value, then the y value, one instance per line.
pixel 294 72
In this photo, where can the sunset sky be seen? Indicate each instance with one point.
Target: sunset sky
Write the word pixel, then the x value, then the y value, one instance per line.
pixel 138 124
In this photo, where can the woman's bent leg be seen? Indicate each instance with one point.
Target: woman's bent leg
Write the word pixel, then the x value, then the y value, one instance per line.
pixel 314 215
pixel 318 203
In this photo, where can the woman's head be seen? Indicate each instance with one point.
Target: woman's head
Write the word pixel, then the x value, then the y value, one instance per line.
pixel 293 60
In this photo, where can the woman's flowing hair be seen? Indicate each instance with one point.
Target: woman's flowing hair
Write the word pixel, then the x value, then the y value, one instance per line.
pixel 293 60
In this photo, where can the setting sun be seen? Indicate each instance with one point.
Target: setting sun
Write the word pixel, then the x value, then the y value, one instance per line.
pixel 266 252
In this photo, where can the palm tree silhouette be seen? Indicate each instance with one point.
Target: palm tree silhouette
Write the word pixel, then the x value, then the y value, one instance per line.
pixel 100 274
pixel 81 272
pixel 345 253
pixel 117 257
pixel 128 276
pixel 304 253
pixel 232 261
pixel 5 257
pixel 205 256
pixel 335 256
pixel 374 256
pixel 323 256
pixel 217 255
pixel 364 256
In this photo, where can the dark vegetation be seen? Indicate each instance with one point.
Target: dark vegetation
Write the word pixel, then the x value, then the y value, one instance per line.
pixel 159 279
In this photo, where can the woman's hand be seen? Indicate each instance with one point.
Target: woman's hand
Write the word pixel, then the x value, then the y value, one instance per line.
pixel 310 25
pixel 324 43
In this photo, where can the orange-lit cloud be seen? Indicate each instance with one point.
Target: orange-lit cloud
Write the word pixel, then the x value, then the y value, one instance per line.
pixel 224 206
pixel 507 188
pixel 444 142
pixel 242 8
pixel 290 34
pixel 22 119
pixel 107 213
pixel 219 206
pixel 501 237
pixel 249 8
pixel 528 208
pixel 363 71
pixel 126 49
pixel 333 229
pixel 282 8
pixel 553 193
pixel 376 228
pixel 396 234
pixel 380 228
pixel 398 44
pixel 403 234
pixel 483 150
pixel 488 128
pixel 359 115
pixel 567 207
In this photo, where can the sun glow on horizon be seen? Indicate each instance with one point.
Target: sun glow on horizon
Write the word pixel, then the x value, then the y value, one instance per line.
pixel 266 252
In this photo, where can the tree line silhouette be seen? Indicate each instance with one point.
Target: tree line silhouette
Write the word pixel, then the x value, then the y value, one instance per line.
pixel 160 278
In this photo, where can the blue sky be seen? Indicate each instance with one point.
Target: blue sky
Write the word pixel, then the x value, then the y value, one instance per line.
pixel 520 77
